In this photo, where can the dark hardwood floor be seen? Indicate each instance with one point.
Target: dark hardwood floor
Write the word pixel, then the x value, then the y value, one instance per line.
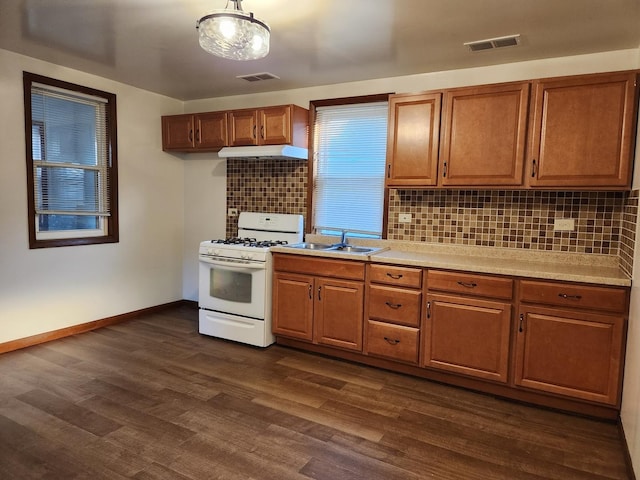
pixel 151 398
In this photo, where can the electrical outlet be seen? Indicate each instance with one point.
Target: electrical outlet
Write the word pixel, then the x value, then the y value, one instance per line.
pixel 564 225
pixel 404 218
pixel 232 212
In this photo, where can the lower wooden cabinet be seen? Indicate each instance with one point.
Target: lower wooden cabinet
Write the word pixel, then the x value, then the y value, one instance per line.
pixel 571 353
pixel 319 309
pixel 467 336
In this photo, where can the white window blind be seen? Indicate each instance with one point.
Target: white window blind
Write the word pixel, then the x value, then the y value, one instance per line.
pixel 349 161
pixel 70 159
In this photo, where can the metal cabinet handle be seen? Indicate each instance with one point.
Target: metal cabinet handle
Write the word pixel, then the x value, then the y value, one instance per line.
pixel 262 131
pixel 395 277
pixel 533 168
pixel 468 284
pixel 520 327
pixel 392 341
pixel 389 171
pixel 319 289
pixel 570 297
pixel 191 135
pixel 395 306
pixel 310 290
pixel 444 170
pixel 428 309
pixel 198 135
pixel 254 131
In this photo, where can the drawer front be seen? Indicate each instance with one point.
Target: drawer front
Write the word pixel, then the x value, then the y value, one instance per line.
pixel 399 276
pixel 470 284
pixel 326 267
pixel 392 341
pixel 395 305
pixel 608 299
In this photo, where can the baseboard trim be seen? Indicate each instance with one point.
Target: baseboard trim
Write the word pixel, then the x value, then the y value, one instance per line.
pixel 85 327
pixel 626 452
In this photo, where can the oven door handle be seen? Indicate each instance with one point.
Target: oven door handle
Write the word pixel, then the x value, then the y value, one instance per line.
pixel 235 266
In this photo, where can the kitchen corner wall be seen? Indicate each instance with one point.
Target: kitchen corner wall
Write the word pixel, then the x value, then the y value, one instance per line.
pixel 605 222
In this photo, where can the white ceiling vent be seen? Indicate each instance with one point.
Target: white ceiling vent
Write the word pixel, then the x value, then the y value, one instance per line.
pixel 491 43
pixel 257 77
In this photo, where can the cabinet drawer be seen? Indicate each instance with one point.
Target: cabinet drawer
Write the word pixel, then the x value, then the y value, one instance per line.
pixel 609 299
pixel 395 305
pixel 318 266
pixel 392 341
pixel 470 284
pixel 392 275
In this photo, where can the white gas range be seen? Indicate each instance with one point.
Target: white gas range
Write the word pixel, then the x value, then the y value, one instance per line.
pixel 235 278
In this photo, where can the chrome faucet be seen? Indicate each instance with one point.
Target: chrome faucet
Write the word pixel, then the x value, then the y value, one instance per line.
pixel 343 238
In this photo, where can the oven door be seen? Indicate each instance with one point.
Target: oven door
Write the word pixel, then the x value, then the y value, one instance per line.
pixel 233 287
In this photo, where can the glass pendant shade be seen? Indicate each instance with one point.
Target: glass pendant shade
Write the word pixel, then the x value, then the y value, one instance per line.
pixel 234 34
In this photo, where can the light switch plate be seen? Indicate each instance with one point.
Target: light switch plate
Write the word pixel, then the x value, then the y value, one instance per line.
pixel 564 225
pixel 232 212
pixel 404 218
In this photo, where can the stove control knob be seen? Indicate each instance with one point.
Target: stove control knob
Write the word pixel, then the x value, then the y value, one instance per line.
pixel 248 256
pixel 216 252
pixel 209 251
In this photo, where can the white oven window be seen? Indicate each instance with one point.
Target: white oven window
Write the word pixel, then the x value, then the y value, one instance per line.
pixel 230 285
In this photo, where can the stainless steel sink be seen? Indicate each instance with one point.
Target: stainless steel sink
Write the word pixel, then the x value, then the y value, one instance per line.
pixel 311 246
pixel 353 249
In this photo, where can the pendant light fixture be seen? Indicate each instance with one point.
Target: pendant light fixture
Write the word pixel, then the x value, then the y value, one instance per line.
pixel 234 34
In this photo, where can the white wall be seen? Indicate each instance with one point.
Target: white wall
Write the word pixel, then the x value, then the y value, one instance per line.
pixel 46 289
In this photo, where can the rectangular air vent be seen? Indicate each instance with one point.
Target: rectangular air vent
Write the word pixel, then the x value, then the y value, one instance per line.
pixel 491 43
pixel 257 77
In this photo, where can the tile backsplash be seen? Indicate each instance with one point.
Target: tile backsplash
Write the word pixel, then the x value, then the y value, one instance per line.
pixel 605 222
pixel 265 185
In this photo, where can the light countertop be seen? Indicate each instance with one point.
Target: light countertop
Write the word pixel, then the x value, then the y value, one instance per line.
pixel 585 268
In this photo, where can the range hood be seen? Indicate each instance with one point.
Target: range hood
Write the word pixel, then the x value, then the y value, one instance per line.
pixel 277 152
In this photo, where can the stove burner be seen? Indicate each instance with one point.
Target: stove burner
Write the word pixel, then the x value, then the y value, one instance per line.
pixel 249 242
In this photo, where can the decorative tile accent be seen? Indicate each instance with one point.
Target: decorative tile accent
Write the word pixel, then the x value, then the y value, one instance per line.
pixel 266 185
pixel 510 219
pixel 628 232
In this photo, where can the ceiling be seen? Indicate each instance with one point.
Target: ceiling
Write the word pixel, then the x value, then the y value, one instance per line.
pixel 153 44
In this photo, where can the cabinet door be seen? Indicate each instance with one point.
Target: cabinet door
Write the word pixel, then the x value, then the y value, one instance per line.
pixel 339 313
pixel 413 140
pixel 211 130
pixel 583 131
pixel 484 130
pixel 467 336
pixel 177 132
pixel 293 305
pixel 243 128
pixel 570 353
pixel 275 125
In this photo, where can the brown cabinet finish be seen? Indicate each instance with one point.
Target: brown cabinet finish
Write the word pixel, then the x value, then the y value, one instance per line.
pixel 413 140
pixel 467 336
pixel 319 300
pixel 279 125
pixel 194 132
pixel 395 305
pixel 293 305
pixel 483 137
pixel 395 275
pixel 570 352
pixel 582 131
pixel 470 284
pixel 338 313
pixel 561 294
pixel 395 342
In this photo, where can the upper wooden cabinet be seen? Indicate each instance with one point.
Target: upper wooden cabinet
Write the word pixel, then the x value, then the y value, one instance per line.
pixel 413 140
pixel 483 137
pixel 569 133
pixel 583 131
pixel 287 124
pixel 210 131
pixel 194 132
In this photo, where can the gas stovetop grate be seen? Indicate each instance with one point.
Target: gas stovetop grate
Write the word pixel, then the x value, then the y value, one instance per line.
pixel 249 242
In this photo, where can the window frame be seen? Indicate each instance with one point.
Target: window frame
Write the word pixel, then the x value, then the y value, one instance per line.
pixel 313 105
pixel 111 222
